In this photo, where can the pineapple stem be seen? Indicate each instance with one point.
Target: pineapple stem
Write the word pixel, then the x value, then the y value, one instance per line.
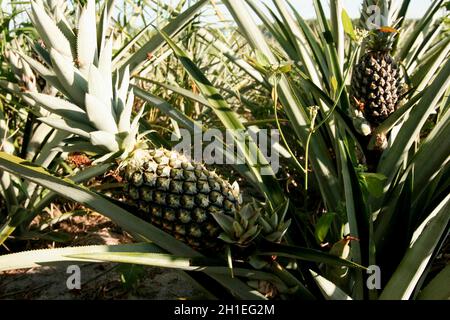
pixel 312 128
pixel 275 103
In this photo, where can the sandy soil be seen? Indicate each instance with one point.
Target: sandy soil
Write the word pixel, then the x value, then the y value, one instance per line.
pixel 98 281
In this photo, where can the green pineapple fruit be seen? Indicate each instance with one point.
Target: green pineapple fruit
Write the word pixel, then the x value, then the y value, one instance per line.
pixel 376 80
pixel 180 196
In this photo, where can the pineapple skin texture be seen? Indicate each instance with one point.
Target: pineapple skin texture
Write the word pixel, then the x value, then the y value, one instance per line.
pixel 376 85
pixel 178 196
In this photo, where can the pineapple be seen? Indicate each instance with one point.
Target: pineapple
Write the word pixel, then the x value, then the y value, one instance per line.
pixel 376 80
pixel 180 196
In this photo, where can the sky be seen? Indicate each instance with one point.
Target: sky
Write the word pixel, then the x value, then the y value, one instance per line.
pixel 416 8
pixel 305 7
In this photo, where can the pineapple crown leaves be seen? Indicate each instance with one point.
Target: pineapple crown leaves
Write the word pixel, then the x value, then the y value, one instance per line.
pixel 251 221
pixel 274 225
pixel 241 229
pixel 96 109
pixel 378 13
pixel 381 39
pixel 380 17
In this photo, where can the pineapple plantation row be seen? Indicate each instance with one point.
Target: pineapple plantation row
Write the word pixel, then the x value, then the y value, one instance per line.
pixel 96 95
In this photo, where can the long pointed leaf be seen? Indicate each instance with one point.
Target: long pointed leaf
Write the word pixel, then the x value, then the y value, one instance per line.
pixel 424 241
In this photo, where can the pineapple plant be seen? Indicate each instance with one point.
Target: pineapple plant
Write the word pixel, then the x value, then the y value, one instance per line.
pixel 182 197
pixel 397 211
pixel 376 80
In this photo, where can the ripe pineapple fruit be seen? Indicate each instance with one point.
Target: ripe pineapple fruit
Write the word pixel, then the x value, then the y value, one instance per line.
pixel 182 197
pixel 376 80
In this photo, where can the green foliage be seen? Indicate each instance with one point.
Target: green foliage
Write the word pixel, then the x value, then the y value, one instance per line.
pixel 373 183
pixel 323 226
pixel 386 186
pixel 348 25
